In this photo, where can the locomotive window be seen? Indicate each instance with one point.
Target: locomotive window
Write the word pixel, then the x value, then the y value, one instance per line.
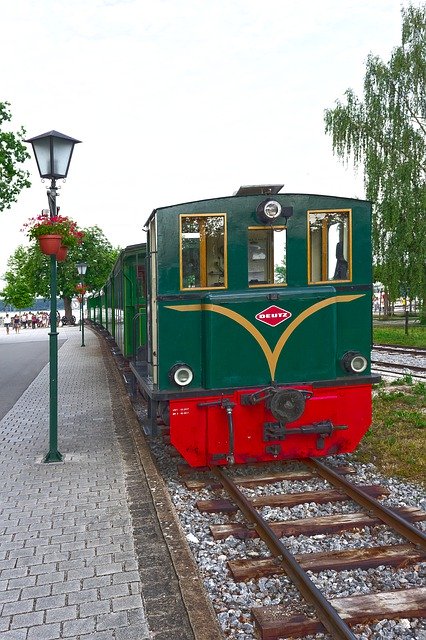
pixel 267 256
pixel 202 251
pixel 329 246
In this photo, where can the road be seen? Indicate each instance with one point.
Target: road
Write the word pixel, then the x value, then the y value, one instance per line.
pixel 22 357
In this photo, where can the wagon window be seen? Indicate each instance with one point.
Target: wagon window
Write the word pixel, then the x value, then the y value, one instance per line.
pixel 202 251
pixel 329 246
pixel 267 256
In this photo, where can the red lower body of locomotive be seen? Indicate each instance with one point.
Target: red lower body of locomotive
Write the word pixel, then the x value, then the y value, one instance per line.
pixel 248 426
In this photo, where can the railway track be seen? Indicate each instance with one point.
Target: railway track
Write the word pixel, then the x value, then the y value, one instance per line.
pixel 400 349
pixel 334 616
pixel 394 361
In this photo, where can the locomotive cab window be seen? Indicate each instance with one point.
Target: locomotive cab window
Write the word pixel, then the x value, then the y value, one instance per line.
pixel 329 246
pixel 267 256
pixel 203 251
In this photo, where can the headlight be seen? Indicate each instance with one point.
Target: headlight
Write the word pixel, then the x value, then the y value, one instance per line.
pixel 354 362
pixel 268 210
pixel 181 374
pixel 272 209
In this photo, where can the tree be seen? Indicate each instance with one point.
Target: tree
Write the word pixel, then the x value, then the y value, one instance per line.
pixel 29 268
pixel 385 132
pixel 12 153
pixel 17 291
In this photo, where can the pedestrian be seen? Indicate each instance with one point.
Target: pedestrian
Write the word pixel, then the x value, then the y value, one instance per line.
pixel 16 323
pixel 7 323
pixel 33 320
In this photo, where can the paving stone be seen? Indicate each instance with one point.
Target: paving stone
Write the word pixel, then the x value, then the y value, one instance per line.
pixel 5 622
pixel 112 621
pixel 20 583
pixel 138 632
pixel 85 595
pixel 94 608
pixel 125 603
pixel 74 628
pixel 61 614
pixel 15 634
pixel 20 606
pixel 69 586
pixel 106 569
pixel 98 581
pixel 36 592
pixel 45 632
pixel 114 591
pixel 50 602
pixel 50 578
pixel 68 564
pixel 10 595
pixel 27 619
pixel 17 572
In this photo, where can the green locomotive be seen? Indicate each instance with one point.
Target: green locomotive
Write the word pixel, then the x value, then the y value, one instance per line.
pixel 258 326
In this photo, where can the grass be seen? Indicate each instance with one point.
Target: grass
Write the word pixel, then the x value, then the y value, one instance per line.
pixel 385 334
pixel 396 442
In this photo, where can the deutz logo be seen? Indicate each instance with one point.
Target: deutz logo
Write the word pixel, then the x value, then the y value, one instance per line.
pixel 273 316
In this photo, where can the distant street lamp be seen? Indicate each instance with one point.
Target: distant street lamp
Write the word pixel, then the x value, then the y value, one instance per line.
pixel 53 151
pixel 82 268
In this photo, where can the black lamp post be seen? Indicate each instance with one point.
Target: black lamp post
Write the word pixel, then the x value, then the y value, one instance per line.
pixel 82 268
pixel 53 151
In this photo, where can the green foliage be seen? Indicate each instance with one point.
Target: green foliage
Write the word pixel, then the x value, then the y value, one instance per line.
pixel 99 255
pixel 385 132
pixel 12 153
pixel 29 268
pixel 18 291
pixel 281 273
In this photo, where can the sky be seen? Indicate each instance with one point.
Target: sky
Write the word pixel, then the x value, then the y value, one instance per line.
pixel 181 100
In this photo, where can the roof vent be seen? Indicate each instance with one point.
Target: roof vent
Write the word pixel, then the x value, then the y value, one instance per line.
pixel 259 190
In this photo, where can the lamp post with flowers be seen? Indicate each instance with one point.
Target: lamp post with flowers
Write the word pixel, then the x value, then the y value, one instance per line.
pixel 81 268
pixel 53 152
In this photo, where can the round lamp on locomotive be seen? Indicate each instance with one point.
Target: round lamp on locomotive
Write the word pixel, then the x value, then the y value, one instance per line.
pixel 268 211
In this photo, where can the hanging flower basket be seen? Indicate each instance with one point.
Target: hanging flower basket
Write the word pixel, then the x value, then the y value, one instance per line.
pixel 62 253
pixel 59 226
pixel 49 244
pixel 81 288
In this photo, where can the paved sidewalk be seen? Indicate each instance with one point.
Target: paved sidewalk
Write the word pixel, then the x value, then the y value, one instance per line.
pixel 68 567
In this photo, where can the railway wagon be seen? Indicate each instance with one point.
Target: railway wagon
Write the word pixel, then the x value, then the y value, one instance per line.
pixel 259 325
pixel 120 307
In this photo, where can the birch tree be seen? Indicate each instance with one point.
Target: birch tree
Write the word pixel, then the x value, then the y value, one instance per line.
pixel 384 133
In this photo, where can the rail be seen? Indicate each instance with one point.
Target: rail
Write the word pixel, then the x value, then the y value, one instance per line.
pixel 329 617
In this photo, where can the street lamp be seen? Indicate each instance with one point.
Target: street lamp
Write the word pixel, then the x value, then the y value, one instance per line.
pixel 53 151
pixel 82 268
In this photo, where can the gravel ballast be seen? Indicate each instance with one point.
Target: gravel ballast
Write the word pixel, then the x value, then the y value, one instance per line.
pixel 233 601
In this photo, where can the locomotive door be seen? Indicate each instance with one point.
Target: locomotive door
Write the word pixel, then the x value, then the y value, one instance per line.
pixel 153 305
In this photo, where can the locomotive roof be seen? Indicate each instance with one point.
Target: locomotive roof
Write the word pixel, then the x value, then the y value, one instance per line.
pixel 259 190
pixel 242 193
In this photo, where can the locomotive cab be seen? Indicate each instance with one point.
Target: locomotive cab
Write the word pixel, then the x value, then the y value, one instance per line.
pixel 259 325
